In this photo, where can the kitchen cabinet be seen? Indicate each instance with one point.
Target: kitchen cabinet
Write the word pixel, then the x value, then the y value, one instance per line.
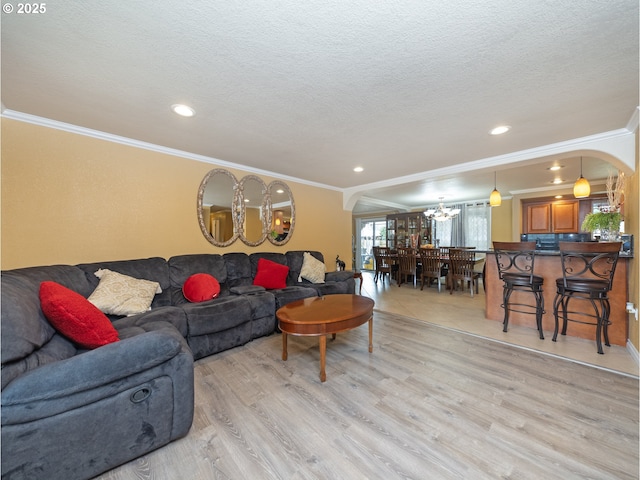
pixel 551 217
pixel 564 217
pixel 538 218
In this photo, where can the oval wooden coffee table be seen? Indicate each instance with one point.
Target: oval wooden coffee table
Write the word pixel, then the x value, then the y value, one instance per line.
pixel 321 316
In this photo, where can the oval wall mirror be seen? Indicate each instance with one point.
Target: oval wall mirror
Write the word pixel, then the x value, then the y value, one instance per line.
pixel 218 199
pixel 282 212
pixel 253 218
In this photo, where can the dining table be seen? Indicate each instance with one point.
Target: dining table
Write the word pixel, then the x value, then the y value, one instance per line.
pixel 478 259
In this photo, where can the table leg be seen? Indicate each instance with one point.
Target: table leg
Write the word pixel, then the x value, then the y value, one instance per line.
pixel 358 275
pixel 284 346
pixel 323 357
pixel 371 334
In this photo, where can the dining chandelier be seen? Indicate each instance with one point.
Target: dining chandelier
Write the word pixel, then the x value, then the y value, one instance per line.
pixel 441 213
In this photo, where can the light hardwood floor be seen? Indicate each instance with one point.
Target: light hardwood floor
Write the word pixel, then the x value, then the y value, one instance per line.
pixel 430 402
pixel 461 312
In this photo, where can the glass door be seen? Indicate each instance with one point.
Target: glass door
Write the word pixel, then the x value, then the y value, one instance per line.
pixel 371 233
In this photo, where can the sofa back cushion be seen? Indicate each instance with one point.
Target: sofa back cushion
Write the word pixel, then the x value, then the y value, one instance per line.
pixel 295 260
pixel 155 269
pixel 238 269
pixel 280 258
pixel 181 267
pixel 271 275
pixel 28 339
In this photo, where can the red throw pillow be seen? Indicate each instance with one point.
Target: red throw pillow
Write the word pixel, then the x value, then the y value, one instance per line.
pixel 75 317
pixel 200 287
pixel 271 274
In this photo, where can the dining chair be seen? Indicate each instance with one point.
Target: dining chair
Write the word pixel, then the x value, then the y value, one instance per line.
pixel 515 268
pixel 461 269
pixel 407 265
pixel 384 263
pixel 587 275
pixel 432 267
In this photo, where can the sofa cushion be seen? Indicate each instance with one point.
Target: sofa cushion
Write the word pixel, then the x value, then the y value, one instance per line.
pixel 215 316
pixel 172 315
pixel 181 267
pixel 239 269
pixel 75 317
pixel 312 269
pixel 119 294
pixel 295 259
pixel 200 287
pixel 155 269
pixel 28 338
pixel 271 275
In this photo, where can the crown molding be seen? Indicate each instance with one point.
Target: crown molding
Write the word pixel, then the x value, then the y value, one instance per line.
pixel 108 137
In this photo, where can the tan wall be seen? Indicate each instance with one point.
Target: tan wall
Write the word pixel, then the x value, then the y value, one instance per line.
pixel 501 222
pixel 632 226
pixel 69 198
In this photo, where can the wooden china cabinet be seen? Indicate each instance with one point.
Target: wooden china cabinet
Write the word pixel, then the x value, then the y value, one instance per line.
pixel 402 226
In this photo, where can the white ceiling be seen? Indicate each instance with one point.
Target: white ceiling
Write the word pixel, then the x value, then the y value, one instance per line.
pixel 310 89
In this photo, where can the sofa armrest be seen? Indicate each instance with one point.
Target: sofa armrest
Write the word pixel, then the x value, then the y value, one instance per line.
pixel 338 276
pixel 92 369
pixel 245 289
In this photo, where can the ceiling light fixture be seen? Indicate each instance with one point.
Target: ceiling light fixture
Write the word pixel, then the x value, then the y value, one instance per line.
pixel 358 169
pixel 581 189
pixel 495 199
pixel 183 110
pixel 441 213
pixel 500 130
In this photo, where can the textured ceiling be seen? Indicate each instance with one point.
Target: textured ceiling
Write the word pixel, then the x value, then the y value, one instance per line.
pixel 312 89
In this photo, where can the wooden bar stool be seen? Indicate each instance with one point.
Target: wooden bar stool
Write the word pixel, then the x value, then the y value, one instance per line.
pixel 587 274
pixel 515 267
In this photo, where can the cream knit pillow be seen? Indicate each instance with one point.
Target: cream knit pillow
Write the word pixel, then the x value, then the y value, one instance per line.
pixel 312 269
pixel 118 294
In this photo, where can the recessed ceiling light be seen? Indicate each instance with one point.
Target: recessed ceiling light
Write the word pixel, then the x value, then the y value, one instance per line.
pixel 558 196
pixel 500 130
pixel 557 181
pixel 358 169
pixel 183 110
pixel 279 191
pixel 555 167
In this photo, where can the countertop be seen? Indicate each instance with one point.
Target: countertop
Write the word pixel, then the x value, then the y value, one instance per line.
pixel 556 253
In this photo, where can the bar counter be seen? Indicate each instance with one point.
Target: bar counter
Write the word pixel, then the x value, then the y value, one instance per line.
pixel 548 266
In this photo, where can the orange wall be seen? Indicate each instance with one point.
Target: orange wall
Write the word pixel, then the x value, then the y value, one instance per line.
pixel 69 198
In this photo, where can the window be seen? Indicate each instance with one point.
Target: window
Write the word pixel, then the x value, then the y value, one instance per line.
pixel 477 225
pixel 470 228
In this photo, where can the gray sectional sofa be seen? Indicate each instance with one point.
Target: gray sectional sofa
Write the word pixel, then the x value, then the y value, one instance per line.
pixel 72 413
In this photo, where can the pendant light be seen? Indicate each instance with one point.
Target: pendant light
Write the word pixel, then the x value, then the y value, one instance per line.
pixel 581 188
pixel 495 200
